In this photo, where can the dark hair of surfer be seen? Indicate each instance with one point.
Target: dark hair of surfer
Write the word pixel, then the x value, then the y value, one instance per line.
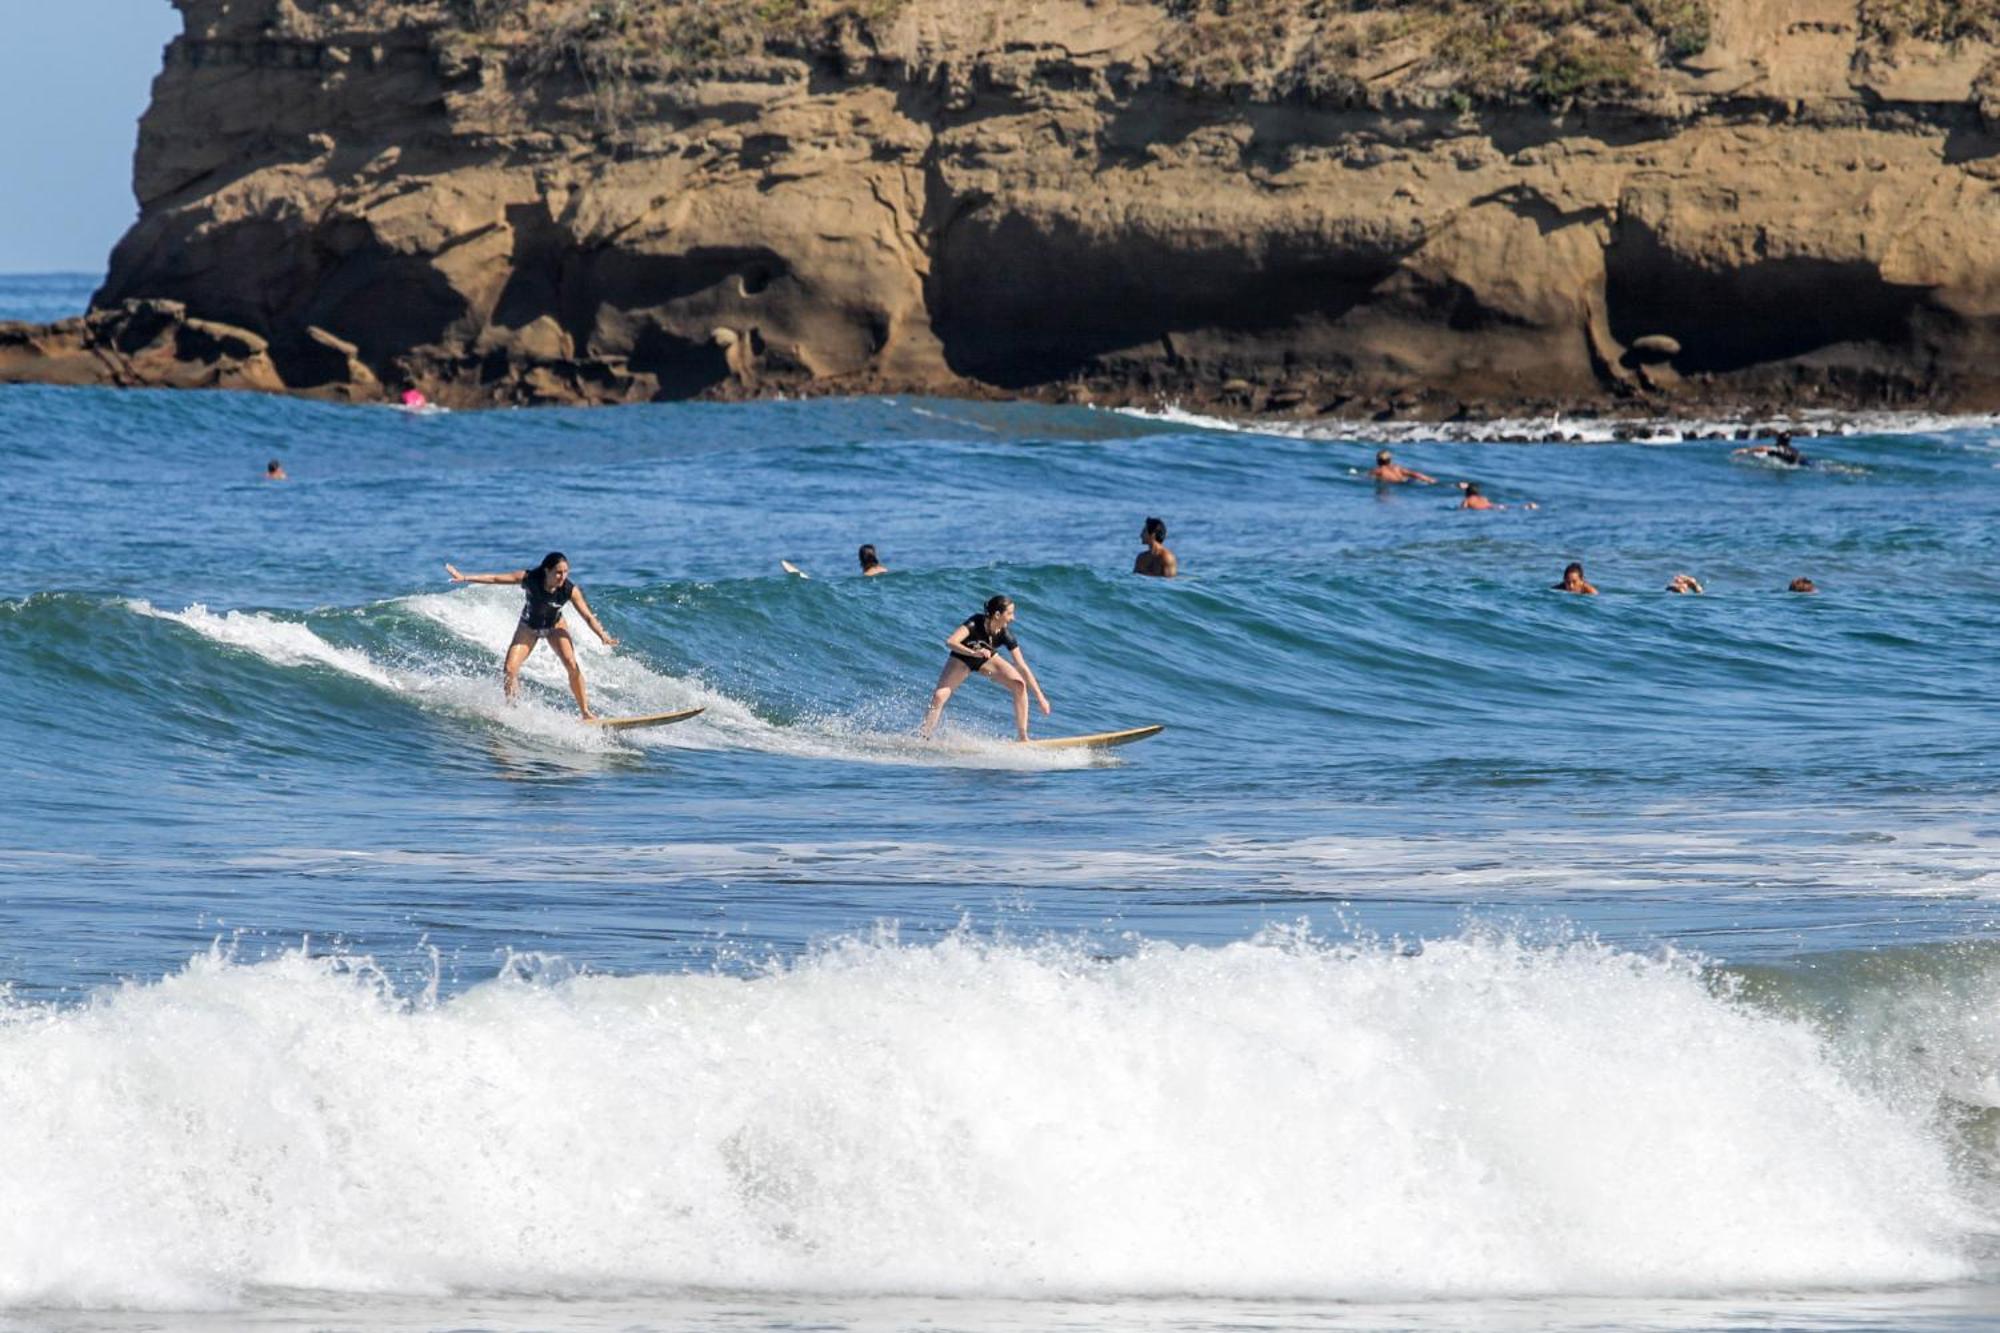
pixel 868 560
pixel 550 561
pixel 997 603
pixel 1156 528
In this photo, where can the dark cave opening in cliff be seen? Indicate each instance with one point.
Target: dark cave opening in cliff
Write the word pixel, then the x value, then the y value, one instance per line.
pixel 1020 301
pixel 1756 313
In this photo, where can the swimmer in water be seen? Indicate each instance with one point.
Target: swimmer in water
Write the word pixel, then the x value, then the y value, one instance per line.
pixel 1473 499
pixel 275 471
pixel 1156 560
pixel 548 590
pixel 1780 450
pixel 1685 583
pixel 1574 581
pixel 1388 472
pixel 870 566
pixel 1803 585
pixel 975 649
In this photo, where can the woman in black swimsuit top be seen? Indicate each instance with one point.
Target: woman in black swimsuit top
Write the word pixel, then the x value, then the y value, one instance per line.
pixel 975 648
pixel 981 640
pixel 545 604
pixel 548 591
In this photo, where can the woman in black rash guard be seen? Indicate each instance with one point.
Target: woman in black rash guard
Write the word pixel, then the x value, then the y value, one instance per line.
pixel 548 591
pixel 975 649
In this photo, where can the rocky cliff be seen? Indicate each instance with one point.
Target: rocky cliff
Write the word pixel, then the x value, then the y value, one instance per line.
pixel 1408 208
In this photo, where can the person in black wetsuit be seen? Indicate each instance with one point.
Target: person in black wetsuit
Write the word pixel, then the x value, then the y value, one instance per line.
pixel 1780 450
pixel 548 591
pixel 975 649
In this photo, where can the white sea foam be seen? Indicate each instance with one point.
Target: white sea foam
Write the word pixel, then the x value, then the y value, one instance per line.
pixel 1582 430
pixel 1263 1119
pixel 285 642
pixel 446 686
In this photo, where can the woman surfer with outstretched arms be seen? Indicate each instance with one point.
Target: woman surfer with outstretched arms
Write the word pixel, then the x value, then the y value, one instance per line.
pixel 548 591
pixel 975 649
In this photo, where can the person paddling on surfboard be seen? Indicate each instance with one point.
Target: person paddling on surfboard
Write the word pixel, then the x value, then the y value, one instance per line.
pixel 975 649
pixel 548 590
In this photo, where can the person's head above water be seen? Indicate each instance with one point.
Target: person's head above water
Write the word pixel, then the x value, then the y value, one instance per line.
pixel 1154 530
pixel 868 560
pixel 1470 488
pixel 1572 570
pixel 554 565
pixel 1803 585
pixel 1382 458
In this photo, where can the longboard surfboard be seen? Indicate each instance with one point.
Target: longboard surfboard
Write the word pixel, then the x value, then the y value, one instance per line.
pixel 793 569
pixel 642 720
pixel 1098 738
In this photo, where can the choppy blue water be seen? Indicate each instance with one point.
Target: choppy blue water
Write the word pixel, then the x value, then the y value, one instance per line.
pixel 1462 954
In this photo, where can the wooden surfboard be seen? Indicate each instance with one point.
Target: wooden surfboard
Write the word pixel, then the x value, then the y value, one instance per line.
pixel 642 720
pixel 1096 739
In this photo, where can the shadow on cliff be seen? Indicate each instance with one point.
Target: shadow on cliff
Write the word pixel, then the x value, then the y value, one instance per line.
pixel 1761 311
pixel 1019 301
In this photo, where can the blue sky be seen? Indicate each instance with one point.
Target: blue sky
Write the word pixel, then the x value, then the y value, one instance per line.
pixel 74 77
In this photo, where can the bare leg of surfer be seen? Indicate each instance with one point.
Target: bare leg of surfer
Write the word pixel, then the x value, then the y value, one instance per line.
pixel 1017 685
pixel 517 653
pixel 949 679
pixel 566 650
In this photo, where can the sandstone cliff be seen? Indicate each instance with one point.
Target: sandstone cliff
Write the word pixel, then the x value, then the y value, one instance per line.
pixel 1411 208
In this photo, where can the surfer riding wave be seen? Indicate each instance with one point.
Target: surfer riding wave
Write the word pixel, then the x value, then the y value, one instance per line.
pixel 548 591
pixel 975 649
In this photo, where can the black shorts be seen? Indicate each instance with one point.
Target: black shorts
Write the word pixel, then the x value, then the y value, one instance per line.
pixel 540 631
pixel 977 664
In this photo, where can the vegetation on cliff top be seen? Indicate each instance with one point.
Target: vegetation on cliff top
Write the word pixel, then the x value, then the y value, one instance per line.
pixel 667 32
pixel 1457 50
pixel 1932 20
pixel 1464 49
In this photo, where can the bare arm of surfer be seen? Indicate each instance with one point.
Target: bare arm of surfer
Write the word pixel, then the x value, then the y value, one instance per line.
pixel 957 644
pixel 582 606
pixel 1033 684
pixel 517 576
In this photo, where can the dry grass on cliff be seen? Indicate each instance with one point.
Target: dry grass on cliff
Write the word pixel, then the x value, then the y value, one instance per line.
pixel 615 35
pixel 1451 51
pixel 1932 20
pixel 615 47
pixel 1466 49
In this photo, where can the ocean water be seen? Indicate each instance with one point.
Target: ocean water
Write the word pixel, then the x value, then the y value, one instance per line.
pixel 1462 955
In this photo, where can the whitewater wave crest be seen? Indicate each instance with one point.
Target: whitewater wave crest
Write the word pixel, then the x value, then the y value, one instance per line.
pixel 1273 1118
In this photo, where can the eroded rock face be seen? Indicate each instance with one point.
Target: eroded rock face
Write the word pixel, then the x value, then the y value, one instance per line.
pixel 350 199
